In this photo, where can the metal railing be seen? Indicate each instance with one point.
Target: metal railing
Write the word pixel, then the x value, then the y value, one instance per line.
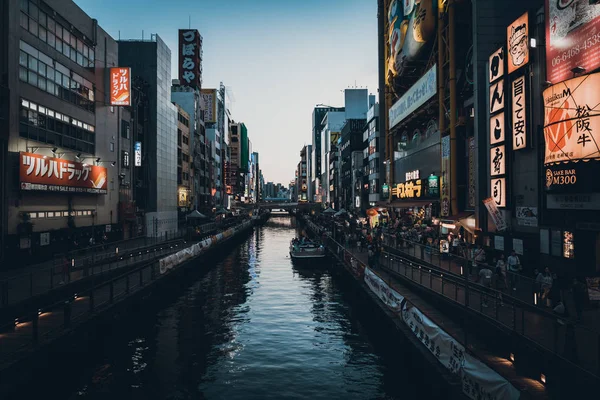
pixel 24 286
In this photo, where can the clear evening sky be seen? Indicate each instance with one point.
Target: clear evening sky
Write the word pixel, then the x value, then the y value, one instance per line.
pixel 279 57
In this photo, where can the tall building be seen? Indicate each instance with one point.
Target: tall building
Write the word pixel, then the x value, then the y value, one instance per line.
pixel 374 156
pixel 332 124
pixel 302 184
pixel 317 154
pixel 184 170
pixel 59 131
pixel 150 59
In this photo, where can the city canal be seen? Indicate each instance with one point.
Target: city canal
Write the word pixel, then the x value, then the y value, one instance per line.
pixel 254 326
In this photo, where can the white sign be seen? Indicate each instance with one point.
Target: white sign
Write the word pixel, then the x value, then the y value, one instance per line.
pixel 497 160
pixel 137 151
pixel 497 129
pixel 413 98
pixel 496 64
pixel 496 215
pixel 497 96
pixel 499 242
pixel 108 228
pixel 44 238
pixel 412 175
pixel 519 119
pixel 518 246
pixel 498 191
pixel 590 201
pixel 388 296
pixel 481 382
pixel 527 216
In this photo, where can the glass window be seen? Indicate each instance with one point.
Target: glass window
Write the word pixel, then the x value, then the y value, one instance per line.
pixel 80 59
pixel 23 74
pixel 58 77
pixel 91 57
pixel 23 5
pixel 112 145
pixel 66 36
pixel 42 83
pixel 32 78
pixel 33 10
pixel 24 21
pixel 41 215
pixel 80 46
pixel 51 25
pixel 23 58
pixel 66 50
pixel 42 18
pixel 51 39
pixel 33 27
pixel 59 44
pixel 59 31
pixel 73 42
pixel 41 69
pixel 42 33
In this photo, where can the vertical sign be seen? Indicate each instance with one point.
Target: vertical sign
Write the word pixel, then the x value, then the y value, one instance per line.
pixel 498 190
pixel 120 86
pixel 190 58
pixel 497 132
pixel 137 149
pixel 445 178
pixel 497 161
pixel 209 96
pixel 519 121
pixel 517 38
pixel 472 171
pixel 496 215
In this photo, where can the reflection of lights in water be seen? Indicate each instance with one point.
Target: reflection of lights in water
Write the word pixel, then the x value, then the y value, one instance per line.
pixel 137 358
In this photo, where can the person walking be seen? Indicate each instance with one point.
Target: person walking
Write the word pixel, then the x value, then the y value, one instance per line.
pixel 514 267
pixel 500 263
pixel 485 279
pixel 546 284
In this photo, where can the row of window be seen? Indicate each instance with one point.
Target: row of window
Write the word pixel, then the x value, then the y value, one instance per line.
pixel 59 214
pixel 181 118
pixel 42 25
pixel 55 114
pixel 38 69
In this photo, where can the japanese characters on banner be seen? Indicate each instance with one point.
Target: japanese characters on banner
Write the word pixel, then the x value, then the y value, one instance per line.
pixel 209 97
pixel 417 188
pixel 495 214
pixel 120 86
pixel 517 39
pixel 497 133
pixel 137 150
pixel 390 297
pixel 519 112
pixel 572 37
pixel 472 196
pixel 38 172
pixel 190 58
pixel 445 178
pixel 481 382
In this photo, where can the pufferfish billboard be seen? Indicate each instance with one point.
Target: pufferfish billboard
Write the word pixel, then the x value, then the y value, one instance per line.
pixel 411 26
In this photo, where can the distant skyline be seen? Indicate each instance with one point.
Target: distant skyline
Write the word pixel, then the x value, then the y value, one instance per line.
pixel 280 58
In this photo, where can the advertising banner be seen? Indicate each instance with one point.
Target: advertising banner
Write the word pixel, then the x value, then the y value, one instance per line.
pixel 209 96
pixel 572 37
pixel 527 216
pixel 445 178
pixel 120 86
pixel 517 38
pixel 41 173
pixel 498 191
pixel 572 120
pixel 387 295
pixel 495 214
pixel 137 150
pixel 472 172
pixel 413 98
pixel 190 61
pixel 519 113
pixel 481 382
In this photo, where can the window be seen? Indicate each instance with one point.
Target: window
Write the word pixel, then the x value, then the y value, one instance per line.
pixel 125 129
pixel 125 159
pixel 112 146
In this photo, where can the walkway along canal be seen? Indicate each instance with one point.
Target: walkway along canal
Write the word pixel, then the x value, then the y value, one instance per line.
pixel 253 325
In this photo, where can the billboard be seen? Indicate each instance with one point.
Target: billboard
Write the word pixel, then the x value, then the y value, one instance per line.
pixel 120 86
pixel 424 89
pixel 190 58
pixel 137 150
pixel 572 37
pixel 209 97
pixel 41 173
pixel 517 39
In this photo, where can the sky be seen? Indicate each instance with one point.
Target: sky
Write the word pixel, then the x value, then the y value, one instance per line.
pixel 279 58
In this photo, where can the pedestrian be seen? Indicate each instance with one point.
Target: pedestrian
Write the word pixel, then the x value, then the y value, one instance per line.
pixel 546 285
pixel 499 283
pixel 579 297
pixel 485 279
pixel 537 282
pixel 514 267
pixel 500 263
pixel 477 256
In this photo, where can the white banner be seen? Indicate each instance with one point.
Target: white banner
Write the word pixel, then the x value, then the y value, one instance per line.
pixel 481 382
pixel 495 214
pixel 390 297
pixel 444 347
pixel 424 89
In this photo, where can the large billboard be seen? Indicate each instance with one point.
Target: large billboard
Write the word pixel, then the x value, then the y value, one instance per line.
pixel 424 89
pixel 209 97
pixel 572 134
pixel 190 58
pixel 120 86
pixel 41 173
pixel 572 37
pixel 517 38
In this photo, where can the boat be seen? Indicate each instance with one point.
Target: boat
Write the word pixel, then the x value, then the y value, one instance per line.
pixel 306 249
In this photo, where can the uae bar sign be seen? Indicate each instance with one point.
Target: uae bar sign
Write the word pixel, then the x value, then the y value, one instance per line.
pixel 517 37
pixel 41 173
pixel 519 113
pixel 572 37
pixel 572 120
pixel 190 58
pixel 120 86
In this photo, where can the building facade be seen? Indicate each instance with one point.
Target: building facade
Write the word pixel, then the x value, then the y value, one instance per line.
pixel 184 161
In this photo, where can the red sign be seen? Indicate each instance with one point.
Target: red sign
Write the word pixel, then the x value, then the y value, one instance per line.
pixel 38 172
pixel 120 86
pixel 572 37
pixel 190 58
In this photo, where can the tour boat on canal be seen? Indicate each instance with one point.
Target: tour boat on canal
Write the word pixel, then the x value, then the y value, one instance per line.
pixel 301 249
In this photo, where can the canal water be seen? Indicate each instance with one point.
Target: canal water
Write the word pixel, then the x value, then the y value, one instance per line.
pixel 255 326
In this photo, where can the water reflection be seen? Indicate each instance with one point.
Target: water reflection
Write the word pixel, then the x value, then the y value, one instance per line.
pixel 253 327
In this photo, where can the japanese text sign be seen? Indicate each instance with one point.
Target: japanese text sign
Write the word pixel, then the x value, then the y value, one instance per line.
pixel 496 65
pixel 572 120
pixel 519 112
pixel 37 172
pixel 137 149
pixel 190 58
pixel 497 161
pixel 497 128
pixel 445 178
pixel 498 190
pixel 120 86
pixel 209 97
pixel 517 38
pixel 572 37
pixel 495 214
pixel 497 96
pixel 408 190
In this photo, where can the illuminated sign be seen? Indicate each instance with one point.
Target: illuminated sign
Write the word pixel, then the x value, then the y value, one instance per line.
pixel 517 38
pixel 472 185
pixel 433 185
pixel 408 190
pixel 572 39
pixel 496 65
pixel 445 178
pixel 498 190
pixel 519 121
pixel 412 175
pixel 137 150
pixel 183 197
pixel 580 177
pixel 41 173
pixel 497 96
pixel 190 61
pixel 413 98
pixel 497 129
pixel 497 160
pixel 120 86
pixel 572 120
